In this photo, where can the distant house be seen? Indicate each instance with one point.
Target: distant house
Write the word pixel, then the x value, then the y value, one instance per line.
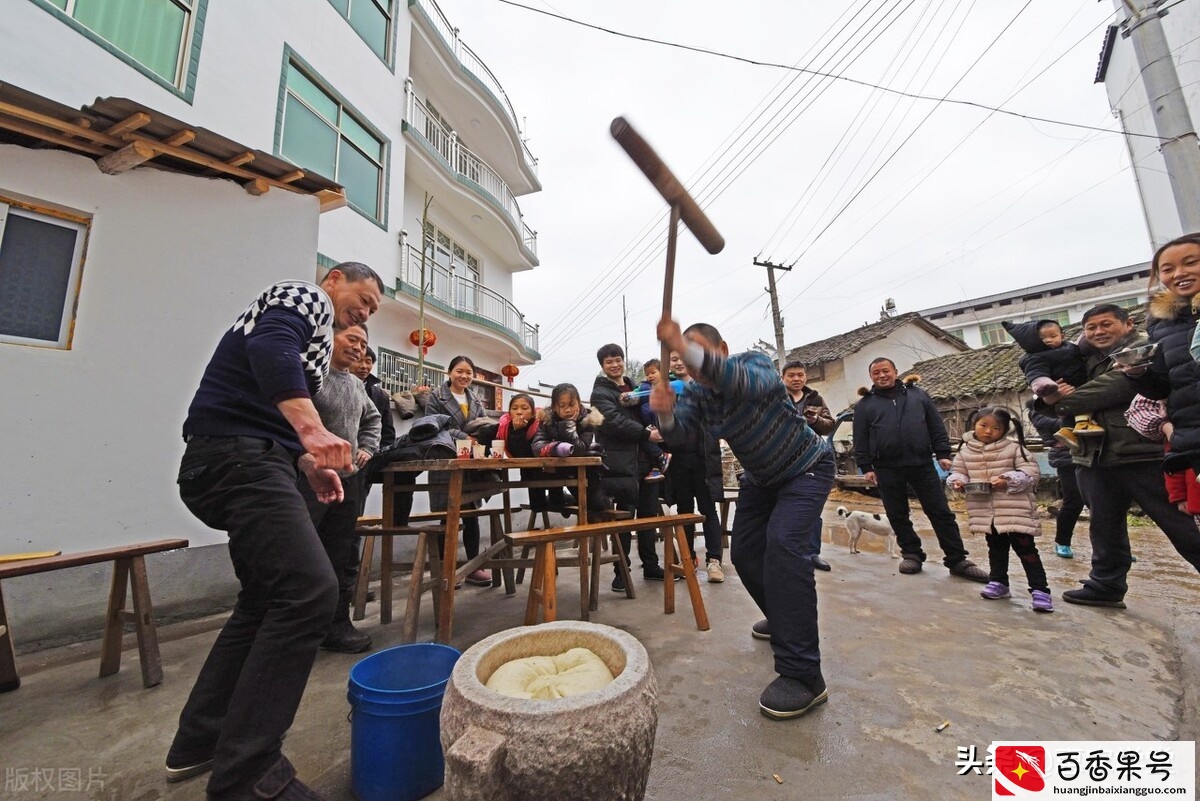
pixel 960 383
pixel 838 366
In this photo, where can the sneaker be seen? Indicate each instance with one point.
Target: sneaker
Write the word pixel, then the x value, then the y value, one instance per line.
pixel 618 583
pixel 1042 601
pixel 970 571
pixel 480 578
pixel 994 591
pixel 1064 551
pixel 761 630
pixel 1065 436
pixel 1086 596
pixel 656 574
pixel 1088 428
pixel 664 463
pixel 180 769
pixel 790 698
pixel 653 476
pixel 715 574
pixel 910 563
pixel 345 639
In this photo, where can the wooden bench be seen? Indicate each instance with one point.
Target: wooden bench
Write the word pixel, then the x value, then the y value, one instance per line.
pixel 729 496
pixel 543 593
pixel 598 515
pixel 129 575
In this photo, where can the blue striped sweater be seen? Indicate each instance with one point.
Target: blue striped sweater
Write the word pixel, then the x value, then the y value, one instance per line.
pixel 748 406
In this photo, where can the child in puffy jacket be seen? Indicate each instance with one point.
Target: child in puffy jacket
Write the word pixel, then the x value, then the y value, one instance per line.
pixel 1050 358
pixel 568 428
pixel 640 398
pixel 1000 504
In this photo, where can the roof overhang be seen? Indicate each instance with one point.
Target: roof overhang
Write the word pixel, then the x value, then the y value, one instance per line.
pixel 120 135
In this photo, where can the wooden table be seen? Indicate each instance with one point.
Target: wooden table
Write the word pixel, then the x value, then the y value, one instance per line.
pixel 465 486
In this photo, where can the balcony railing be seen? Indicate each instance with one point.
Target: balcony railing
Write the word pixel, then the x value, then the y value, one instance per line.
pixel 465 164
pixel 463 297
pixel 474 65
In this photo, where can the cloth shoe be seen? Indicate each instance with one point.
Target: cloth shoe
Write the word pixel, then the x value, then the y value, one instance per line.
pixel 715 574
pixel 1064 551
pixel 910 563
pixel 790 698
pixel 654 476
pixel 819 563
pixel 761 630
pixel 346 639
pixel 970 571
pixel 279 783
pixel 656 573
pixel 180 767
pixel 479 578
pixel 994 591
pixel 618 583
pixel 1042 601
pixel 1086 596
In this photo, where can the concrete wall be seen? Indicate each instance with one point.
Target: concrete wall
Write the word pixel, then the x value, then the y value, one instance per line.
pixel 92 434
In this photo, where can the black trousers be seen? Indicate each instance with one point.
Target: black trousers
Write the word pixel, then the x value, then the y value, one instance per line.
pixel 250 686
pixel 689 490
pixel 1072 505
pixel 1109 492
pixel 893 489
pixel 335 523
pixel 643 502
pixel 1025 549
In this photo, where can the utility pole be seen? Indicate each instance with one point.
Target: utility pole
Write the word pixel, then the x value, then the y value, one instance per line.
pixel 625 326
pixel 771 268
pixel 1172 122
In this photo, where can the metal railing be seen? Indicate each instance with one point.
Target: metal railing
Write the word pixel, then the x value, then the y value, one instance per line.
pixel 465 164
pixel 474 65
pixel 463 296
pixel 398 372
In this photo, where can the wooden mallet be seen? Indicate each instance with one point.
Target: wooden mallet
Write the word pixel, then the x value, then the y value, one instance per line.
pixel 683 207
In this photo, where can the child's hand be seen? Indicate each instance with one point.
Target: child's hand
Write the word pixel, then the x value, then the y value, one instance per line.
pixel 1000 483
pixel 955 484
pixel 629 399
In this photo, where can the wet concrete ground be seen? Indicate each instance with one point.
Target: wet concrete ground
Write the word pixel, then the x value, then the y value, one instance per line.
pixel 901 655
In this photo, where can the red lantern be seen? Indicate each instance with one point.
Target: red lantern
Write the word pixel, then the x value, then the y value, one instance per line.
pixel 425 342
pixel 510 372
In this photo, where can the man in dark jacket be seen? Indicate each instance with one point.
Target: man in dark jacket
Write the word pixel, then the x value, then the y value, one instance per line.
pixel 695 481
pixel 1047 424
pixel 1120 468
pixel 621 434
pixel 896 431
pixel 816 414
pixel 379 397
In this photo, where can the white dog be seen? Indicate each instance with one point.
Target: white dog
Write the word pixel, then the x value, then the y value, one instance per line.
pixel 857 522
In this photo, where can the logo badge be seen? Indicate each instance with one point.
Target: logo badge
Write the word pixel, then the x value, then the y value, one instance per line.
pixel 1019 769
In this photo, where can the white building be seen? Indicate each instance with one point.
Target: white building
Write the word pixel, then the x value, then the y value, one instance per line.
pixel 1118 71
pixel 114 288
pixel 978 321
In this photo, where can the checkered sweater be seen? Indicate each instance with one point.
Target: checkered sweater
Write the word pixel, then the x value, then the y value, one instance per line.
pixel 278 349
pixel 748 406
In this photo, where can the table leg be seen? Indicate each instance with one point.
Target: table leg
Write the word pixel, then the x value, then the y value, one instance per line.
pixel 450 557
pixel 585 575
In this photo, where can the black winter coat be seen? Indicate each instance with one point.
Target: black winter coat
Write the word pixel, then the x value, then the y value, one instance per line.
pixel 1175 375
pixel 1064 363
pixel 383 402
pixel 694 449
pixel 903 431
pixel 1047 424
pixel 622 434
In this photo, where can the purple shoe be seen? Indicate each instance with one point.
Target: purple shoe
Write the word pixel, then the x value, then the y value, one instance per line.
pixel 1041 601
pixel 994 591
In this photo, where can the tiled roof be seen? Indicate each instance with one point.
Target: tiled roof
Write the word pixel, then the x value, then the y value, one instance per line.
pixel 972 373
pixel 842 345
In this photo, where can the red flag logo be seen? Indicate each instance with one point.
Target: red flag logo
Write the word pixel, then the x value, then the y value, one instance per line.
pixel 1019 767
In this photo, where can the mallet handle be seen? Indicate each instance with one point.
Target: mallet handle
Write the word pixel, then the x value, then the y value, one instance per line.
pixel 667 184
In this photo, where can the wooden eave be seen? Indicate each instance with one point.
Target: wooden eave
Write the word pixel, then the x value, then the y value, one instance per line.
pixel 121 135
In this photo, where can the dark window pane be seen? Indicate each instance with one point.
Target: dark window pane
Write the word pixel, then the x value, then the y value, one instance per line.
pixel 361 178
pixel 35 267
pixel 308 140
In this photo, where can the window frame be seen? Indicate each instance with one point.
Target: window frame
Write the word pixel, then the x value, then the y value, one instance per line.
pixel 292 59
pixel 70 302
pixel 986 329
pixel 187 62
pixel 388 7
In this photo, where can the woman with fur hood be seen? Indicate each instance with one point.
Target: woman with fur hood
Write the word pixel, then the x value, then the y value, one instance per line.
pixel 1005 511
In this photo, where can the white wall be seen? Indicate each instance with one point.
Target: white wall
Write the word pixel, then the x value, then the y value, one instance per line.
pixel 92 434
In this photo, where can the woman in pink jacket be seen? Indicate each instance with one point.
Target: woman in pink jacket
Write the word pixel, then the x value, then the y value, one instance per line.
pixel 1002 478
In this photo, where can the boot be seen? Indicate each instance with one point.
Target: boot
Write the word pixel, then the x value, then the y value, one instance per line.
pixel 342 636
pixel 1086 427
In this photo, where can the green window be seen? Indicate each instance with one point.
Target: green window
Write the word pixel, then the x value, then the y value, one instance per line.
pixel 320 134
pixel 993 334
pixel 370 19
pixel 154 33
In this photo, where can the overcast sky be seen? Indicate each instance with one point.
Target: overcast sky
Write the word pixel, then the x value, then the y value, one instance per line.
pixel 871 195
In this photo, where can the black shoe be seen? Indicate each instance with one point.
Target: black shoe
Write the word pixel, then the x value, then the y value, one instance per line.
pixel 1086 596
pixel 370 596
pixel 819 563
pixel 790 698
pixel 656 574
pixel 346 639
pixel 180 768
pixel 618 583
pixel 761 630
pixel 279 783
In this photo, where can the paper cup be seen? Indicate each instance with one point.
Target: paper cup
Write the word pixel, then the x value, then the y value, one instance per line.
pixel 480 451
pixel 498 448
pixel 463 448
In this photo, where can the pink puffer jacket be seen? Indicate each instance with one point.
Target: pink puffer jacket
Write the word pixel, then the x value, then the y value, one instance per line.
pixel 1011 511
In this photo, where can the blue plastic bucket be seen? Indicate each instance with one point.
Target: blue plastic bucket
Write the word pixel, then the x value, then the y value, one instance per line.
pixel 395 741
